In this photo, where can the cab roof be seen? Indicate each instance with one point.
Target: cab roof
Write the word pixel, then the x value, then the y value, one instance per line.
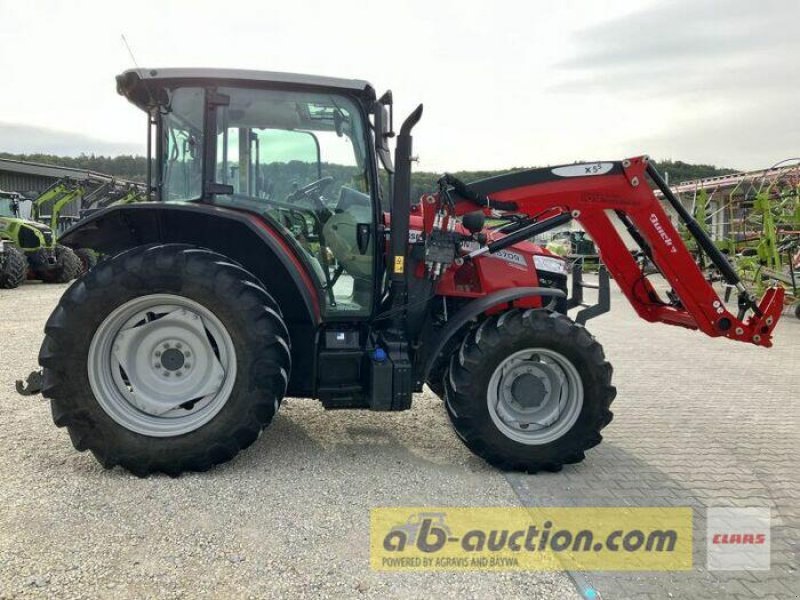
pixel 141 85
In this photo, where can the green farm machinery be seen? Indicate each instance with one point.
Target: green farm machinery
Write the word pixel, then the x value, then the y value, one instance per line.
pixel 36 242
pixel 754 218
pixel 56 199
pixel 773 252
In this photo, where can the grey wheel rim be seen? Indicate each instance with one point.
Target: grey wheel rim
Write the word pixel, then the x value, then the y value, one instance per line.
pixel 162 365
pixel 535 396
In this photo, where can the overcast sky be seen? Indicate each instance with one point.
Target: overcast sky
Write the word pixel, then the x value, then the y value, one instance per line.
pixel 504 83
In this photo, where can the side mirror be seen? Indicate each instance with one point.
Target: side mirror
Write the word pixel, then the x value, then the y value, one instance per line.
pixel 388 102
pixel 383 130
pixel 338 122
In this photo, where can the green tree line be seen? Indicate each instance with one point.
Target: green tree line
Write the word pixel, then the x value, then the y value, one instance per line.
pixel 124 166
pixel 135 167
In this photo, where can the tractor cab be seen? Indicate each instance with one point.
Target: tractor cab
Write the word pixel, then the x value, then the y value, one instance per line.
pixel 9 204
pixel 296 150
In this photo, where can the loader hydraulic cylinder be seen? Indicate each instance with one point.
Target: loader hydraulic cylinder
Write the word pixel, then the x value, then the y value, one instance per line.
pixel 523 233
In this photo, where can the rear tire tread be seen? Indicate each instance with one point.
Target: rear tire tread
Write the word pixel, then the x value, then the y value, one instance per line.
pixel 14 268
pixel 68 267
pixel 267 376
pixel 88 259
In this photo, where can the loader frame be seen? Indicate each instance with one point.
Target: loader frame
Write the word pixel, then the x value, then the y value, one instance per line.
pixel 596 195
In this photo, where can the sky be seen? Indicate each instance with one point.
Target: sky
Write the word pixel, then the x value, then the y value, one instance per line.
pixel 504 83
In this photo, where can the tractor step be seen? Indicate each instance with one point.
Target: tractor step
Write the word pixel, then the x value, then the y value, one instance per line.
pixel 343 397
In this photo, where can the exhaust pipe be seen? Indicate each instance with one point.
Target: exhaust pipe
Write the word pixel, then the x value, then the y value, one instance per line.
pixel 401 213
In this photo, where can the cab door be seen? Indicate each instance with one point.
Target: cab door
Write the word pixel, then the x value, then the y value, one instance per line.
pixel 301 160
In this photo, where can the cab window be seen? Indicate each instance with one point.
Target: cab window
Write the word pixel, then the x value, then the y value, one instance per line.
pixel 300 159
pixel 182 177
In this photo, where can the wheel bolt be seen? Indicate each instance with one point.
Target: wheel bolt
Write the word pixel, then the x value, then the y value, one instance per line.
pixel 187 354
pixel 166 373
pixel 158 353
pixel 178 374
pixel 188 365
pixel 157 366
pixel 179 345
pixel 166 345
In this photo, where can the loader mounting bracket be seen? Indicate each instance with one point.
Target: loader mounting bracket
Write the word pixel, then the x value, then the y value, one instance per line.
pixel 589 311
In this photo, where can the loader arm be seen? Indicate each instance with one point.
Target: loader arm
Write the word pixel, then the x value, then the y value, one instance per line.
pixel 60 204
pixel 50 195
pixel 597 195
pixel 58 196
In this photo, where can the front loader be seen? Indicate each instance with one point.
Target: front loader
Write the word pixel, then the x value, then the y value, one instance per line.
pixel 55 200
pixel 272 263
pixel 116 194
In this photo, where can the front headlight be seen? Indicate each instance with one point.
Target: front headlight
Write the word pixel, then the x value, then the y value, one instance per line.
pixel 550 264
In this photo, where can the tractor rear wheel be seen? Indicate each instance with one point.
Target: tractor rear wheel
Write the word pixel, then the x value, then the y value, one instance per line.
pixel 67 267
pixel 165 358
pixel 13 268
pixel 529 391
pixel 87 257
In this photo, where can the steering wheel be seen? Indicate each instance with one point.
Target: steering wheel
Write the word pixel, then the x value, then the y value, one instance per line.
pixel 313 191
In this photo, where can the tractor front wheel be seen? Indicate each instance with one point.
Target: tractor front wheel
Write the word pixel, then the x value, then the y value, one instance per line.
pixel 88 259
pixel 529 391
pixel 67 267
pixel 13 268
pixel 165 358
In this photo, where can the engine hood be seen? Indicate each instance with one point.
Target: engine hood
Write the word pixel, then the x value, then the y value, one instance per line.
pixel 25 223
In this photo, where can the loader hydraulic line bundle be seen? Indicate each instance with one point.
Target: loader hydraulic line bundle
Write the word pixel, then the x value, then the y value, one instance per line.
pixel 262 271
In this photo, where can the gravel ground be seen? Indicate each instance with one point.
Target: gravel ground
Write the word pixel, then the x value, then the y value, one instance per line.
pixel 287 518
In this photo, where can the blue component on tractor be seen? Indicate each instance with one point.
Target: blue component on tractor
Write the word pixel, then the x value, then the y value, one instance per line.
pixel 379 355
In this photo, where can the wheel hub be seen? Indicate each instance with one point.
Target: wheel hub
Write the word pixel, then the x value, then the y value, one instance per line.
pixel 529 391
pixel 163 385
pixel 172 359
pixel 534 396
pixel 162 365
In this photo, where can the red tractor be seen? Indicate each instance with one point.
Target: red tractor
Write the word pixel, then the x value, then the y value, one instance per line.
pixel 272 261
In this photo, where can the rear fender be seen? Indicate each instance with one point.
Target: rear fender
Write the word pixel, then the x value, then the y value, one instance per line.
pixel 244 237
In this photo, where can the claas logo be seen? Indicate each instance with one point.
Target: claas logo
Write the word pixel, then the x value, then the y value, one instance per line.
pixel 739 538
